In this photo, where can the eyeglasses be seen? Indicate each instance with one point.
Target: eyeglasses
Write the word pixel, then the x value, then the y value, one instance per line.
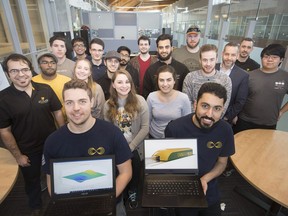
pixel 125 56
pixel 17 71
pixel 47 63
pixel 273 57
pixel 78 46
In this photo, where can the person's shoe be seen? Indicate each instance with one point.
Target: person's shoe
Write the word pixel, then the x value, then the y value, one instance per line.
pixel 132 199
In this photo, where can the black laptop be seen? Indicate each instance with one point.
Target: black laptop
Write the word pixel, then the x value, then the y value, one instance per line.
pixel 171 174
pixel 82 186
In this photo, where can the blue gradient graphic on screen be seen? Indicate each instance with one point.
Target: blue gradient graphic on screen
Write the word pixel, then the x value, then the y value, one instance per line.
pixel 84 176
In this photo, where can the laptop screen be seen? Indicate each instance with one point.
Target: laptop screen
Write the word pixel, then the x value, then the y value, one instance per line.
pixel 82 177
pixel 171 156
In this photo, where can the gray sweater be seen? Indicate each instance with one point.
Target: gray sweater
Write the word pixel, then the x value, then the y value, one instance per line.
pixel 194 80
pixel 162 113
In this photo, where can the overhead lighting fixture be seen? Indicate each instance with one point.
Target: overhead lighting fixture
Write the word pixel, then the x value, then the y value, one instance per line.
pixel 140 7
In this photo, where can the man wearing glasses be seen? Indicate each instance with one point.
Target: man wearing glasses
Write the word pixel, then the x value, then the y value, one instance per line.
pixel 79 48
pixel 112 62
pixel 267 88
pixel 125 64
pixel 27 113
pixel 96 49
pixel 189 54
pixel 48 66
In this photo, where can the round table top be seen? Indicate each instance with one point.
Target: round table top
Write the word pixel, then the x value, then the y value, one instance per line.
pixel 8 173
pixel 262 159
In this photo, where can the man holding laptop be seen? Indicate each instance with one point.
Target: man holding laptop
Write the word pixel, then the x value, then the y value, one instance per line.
pixel 86 136
pixel 215 143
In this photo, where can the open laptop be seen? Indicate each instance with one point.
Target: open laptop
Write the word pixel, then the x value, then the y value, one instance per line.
pixel 83 186
pixel 172 163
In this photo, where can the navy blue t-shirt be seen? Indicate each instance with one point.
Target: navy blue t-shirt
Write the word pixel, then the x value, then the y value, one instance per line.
pixel 212 143
pixel 103 135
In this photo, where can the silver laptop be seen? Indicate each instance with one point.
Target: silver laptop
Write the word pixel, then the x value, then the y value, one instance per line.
pixel 171 174
pixel 83 186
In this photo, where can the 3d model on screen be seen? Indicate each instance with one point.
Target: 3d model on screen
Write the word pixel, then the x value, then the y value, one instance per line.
pixel 172 154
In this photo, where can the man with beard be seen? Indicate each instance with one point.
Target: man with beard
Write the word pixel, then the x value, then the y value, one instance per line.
pixel 143 60
pixel 189 54
pixel 244 61
pixel 48 66
pixel 125 53
pixel 215 143
pixel 164 49
pixel 27 113
pixel 239 79
pixel 195 79
pixel 58 47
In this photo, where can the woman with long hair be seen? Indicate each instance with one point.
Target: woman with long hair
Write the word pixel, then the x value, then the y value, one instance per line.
pixel 83 71
pixel 167 103
pixel 129 112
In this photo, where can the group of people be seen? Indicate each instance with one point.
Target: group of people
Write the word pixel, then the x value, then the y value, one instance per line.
pixel 114 103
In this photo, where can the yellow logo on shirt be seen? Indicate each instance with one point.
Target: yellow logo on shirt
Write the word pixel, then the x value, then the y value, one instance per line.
pixel 211 144
pixel 93 151
pixel 43 100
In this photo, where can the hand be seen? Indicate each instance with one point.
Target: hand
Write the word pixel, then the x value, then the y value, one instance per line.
pixel 204 185
pixel 234 121
pixel 23 161
pixel 280 115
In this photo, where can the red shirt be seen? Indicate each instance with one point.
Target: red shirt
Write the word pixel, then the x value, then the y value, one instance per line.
pixel 143 67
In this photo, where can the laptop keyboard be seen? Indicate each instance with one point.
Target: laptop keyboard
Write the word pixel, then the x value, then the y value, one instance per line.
pixel 172 187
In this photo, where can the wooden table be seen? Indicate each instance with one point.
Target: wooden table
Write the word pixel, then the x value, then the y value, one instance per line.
pixel 262 159
pixel 8 173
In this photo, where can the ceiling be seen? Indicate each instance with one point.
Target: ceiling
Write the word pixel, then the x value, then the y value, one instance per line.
pixel 138 5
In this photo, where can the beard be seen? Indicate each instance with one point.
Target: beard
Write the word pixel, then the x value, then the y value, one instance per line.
pixel 203 125
pixel 161 58
pixel 244 54
pixel 123 63
pixel 49 72
pixel 192 47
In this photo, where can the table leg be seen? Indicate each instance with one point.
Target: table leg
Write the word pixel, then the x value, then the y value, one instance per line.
pixel 271 210
pixel 274 210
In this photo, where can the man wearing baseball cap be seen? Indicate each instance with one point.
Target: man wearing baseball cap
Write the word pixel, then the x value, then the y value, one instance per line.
pixel 189 54
pixel 48 65
pixel 112 62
